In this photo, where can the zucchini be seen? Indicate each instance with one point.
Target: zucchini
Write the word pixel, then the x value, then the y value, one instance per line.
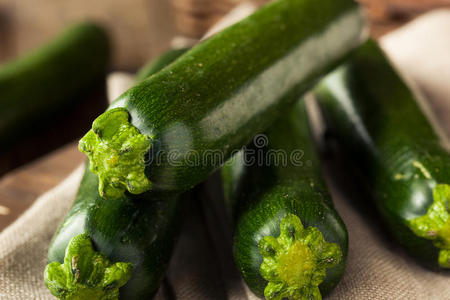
pixel 379 123
pixel 160 134
pixel 137 233
pixel 289 242
pixel 51 78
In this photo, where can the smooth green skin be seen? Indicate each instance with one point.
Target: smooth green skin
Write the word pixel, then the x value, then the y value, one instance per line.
pixel 378 123
pixel 50 79
pixel 86 274
pixel 140 230
pixel 218 95
pixel 262 195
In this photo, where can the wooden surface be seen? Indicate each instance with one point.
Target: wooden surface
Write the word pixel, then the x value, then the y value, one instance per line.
pixel 128 21
pixel 21 187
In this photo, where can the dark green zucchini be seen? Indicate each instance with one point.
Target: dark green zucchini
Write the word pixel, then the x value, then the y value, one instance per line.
pixel 40 84
pixel 217 96
pixel 137 233
pixel 289 242
pixel 381 127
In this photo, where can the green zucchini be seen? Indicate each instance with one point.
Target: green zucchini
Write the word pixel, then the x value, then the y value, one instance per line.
pixel 216 97
pixel 398 154
pixel 137 233
pixel 51 78
pixel 289 242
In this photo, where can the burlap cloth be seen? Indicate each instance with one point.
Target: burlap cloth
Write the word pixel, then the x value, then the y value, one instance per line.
pixel 202 266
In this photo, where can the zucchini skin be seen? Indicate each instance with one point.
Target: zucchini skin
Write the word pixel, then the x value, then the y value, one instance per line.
pixel 51 78
pixel 379 124
pixel 261 195
pixel 141 230
pixel 222 92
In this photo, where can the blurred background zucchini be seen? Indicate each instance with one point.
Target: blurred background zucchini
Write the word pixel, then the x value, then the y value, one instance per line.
pixel 36 88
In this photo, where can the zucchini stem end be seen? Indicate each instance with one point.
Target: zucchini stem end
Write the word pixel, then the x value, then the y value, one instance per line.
pixel 117 150
pixel 435 224
pixel 85 273
pixel 295 262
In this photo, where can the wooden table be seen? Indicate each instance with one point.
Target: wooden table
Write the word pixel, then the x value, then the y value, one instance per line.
pixel 20 187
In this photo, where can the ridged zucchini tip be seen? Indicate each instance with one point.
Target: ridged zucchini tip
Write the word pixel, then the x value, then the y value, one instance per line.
pixel 116 150
pixel 85 273
pixel 295 262
pixel 435 224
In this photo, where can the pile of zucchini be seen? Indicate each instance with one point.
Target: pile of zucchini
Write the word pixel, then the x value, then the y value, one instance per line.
pixel 117 238
pixel 193 110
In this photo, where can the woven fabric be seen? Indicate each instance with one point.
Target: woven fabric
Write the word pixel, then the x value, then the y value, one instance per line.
pixel 202 267
pixel 23 245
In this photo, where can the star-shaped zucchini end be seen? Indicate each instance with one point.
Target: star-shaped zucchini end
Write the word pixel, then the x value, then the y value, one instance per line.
pixel 116 151
pixel 295 262
pixel 85 273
